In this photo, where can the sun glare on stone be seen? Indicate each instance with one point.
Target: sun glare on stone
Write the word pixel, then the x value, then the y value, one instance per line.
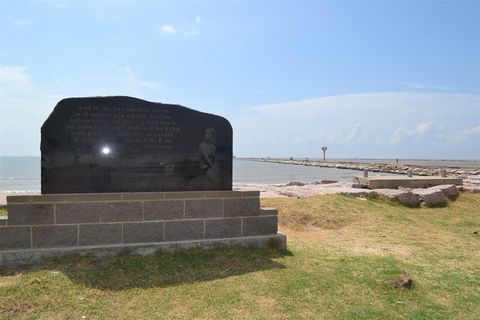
pixel 106 150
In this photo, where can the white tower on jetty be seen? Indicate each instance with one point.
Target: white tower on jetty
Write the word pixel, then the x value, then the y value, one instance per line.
pixel 324 149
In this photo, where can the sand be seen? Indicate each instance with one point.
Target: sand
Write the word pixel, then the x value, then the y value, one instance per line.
pixel 308 190
pixel 471 184
pixel 270 190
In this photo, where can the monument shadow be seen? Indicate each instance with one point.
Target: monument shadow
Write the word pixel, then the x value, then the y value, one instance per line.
pixel 163 269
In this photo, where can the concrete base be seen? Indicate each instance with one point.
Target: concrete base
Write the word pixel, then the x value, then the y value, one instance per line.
pixel 43 226
pixel 15 258
pixel 393 182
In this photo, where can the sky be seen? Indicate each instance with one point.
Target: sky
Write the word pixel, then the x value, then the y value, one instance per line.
pixel 382 79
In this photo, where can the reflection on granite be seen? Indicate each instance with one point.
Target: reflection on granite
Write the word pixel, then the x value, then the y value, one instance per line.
pixel 124 144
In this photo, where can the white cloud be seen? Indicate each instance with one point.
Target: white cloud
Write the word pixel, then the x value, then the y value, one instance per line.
pixel 337 136
pixel 353 133
pixel 21 22
pixel 26 100
pixel 419 86
pixel 402 132
pixel 134 81
pixel 474 130
pixel 423 127
pixel 18 92
pixel 360 125
pixel 14 79
pixel 23 108
pixel 398 135
pixel 190 30
pixel 59 4
pixel 463 136
pixel 167 29
pixel 193 30
pixel 191 33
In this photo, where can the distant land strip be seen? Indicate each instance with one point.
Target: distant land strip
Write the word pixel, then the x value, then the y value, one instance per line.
pixel 385 167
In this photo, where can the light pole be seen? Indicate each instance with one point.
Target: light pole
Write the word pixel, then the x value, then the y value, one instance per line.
pixel 324 149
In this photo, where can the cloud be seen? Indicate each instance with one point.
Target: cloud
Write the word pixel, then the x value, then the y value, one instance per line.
pixel 191 33
pixel 190 30
pixel 353 133
pixel 398 135
pixel 395 124
pixel 193 29
pixel 419 86
pixel 423 127
pixel 18 92
pixel 134 81
pixel 23 108
pixel 14 79
pixel 26 100
pixel 167 29
pixel 462 136
pixel 474 130
pixel 339 136
pixel 59 4
pixel 402 132
pixel 21 22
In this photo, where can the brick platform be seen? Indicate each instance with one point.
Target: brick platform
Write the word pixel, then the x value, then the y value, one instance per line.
pixel 59 224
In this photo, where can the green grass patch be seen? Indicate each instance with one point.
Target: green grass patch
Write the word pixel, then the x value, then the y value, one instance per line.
pixel 344 254
pixel 3 211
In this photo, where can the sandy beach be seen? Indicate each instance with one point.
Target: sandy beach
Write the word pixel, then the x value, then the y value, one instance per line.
pixel 300 190
pixel 269 190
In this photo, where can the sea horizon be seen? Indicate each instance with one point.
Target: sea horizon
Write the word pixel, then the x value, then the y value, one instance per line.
pixel 21 174
pixel 305 157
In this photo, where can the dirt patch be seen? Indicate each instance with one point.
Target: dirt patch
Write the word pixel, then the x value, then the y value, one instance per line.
pixel 9 281
pixel 308 221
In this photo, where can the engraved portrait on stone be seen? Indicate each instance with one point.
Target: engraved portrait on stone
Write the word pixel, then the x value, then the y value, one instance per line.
pixel 209 176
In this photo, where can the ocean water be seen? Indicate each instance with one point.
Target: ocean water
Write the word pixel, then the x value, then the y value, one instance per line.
pixel 22 174
pixel 19 174
pixel 253 172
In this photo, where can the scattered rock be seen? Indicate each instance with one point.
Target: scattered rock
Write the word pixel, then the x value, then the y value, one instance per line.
pixel 359 193
pixel 408 198
pixel 358 186
pixel 431 197
pixel 471 188
pixel 327 181
pixel 405 197
pixel 290 194
pixel 449 190
pixel 295 183
pixel 403 281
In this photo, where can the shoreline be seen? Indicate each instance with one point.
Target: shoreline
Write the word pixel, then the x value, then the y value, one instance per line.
pixel 297 189
pixel 471 176
pixel 383 167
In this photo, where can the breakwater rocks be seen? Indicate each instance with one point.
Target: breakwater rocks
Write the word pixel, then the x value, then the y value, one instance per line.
pixel 418 170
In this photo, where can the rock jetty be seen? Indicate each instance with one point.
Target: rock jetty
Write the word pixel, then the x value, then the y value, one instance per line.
pixel 418 170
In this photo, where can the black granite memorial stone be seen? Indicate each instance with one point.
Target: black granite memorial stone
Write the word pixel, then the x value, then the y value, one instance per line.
pixel 124 144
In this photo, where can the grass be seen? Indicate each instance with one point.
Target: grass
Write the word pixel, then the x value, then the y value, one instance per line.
pixel 3 211
pixel 343 255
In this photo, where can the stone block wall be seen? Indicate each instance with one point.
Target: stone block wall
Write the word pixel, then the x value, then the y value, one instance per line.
pixel 85 220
